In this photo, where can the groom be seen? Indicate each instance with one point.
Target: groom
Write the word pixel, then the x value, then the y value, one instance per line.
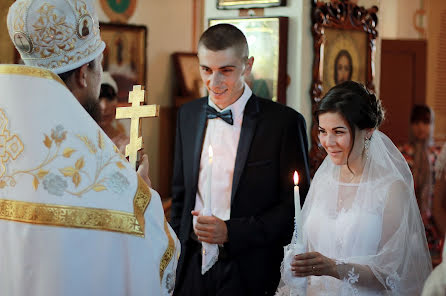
pixel 257 144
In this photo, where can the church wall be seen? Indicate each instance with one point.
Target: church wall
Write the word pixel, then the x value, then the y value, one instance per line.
pixel 170 28
pixel 169 24
pixel 397 19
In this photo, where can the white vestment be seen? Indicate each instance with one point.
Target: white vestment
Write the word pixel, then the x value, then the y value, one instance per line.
pixel 75 218
pixel 435 284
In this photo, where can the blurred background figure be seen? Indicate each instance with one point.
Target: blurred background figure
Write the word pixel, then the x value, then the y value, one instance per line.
pixel 421 154
pixel 343 67
pixel 108 101
pixel 258 86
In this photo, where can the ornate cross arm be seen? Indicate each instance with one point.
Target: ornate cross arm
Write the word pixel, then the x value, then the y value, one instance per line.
pixel 135 113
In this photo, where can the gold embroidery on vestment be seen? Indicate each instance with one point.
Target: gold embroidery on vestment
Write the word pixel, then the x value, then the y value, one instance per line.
pixel 168 254
pixel 10 146
pixel 30 71
pixel 81 217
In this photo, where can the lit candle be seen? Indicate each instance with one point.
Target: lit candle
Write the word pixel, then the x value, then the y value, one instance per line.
pixel 297 210
pixel 207 200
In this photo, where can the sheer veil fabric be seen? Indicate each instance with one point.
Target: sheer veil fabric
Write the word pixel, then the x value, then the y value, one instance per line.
pixel 373 229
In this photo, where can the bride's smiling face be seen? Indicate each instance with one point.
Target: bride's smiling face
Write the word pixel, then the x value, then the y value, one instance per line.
pixel 336 138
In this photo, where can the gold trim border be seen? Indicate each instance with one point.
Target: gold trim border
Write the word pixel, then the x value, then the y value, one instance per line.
pixel 81 217
pixel 248 2
pixel 30 71
pixel 168 254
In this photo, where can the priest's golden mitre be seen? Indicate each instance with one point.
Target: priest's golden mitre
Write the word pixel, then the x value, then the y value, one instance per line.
pixel 75 218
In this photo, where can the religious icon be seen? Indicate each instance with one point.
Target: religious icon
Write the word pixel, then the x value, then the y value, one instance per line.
pixel 22 42
pixel 85 30
pixel 343 67
pixel 125 56
pixel 84 26
pixel 344 58
pixel 344 46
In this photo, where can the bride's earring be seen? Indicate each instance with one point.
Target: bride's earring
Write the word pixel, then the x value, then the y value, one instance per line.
pixel 366 147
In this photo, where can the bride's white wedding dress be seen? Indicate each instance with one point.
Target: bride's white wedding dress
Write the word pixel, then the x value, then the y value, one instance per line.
pixel 373 229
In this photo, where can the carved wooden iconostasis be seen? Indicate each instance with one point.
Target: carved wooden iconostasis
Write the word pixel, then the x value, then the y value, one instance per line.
pixel 344 47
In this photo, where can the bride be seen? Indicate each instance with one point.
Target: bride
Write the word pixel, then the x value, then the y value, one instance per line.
pixel 361 223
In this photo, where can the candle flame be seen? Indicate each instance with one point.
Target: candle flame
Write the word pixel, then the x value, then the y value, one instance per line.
pixel 211 153
pixel 296 178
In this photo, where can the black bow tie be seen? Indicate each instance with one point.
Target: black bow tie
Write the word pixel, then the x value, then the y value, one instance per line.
pixel 225 115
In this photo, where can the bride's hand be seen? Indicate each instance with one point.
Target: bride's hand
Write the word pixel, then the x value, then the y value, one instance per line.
pixel 313 263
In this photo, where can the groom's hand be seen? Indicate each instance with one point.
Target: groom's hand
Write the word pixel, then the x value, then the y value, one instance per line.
pixel 210 229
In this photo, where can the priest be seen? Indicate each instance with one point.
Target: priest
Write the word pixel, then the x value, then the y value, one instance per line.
pixel 75 217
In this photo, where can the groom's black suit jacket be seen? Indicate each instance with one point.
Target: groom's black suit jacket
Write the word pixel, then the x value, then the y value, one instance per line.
pixel 272 145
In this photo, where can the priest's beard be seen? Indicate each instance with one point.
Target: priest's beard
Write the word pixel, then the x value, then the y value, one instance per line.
pixel 93 108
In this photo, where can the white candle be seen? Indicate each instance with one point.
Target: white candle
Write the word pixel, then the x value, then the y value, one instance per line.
pixel 207 200
pixel 297 210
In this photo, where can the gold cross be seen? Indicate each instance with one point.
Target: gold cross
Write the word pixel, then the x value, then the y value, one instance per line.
pixel 135 113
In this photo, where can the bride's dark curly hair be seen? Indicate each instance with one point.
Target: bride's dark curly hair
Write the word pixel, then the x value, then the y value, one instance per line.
pixel 355 103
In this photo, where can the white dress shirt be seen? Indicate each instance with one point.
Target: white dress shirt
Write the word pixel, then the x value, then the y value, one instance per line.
pixel 224 140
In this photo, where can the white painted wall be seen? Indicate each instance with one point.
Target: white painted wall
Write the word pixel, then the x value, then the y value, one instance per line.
pixel 397 19
pixel 169 24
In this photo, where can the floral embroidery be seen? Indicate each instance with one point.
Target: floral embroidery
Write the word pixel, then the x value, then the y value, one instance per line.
pixel 347 287
pixel 170 282
pixel 393 281
pixel 53 34
pixel 57 181
pixel 54 184
pixel 117 182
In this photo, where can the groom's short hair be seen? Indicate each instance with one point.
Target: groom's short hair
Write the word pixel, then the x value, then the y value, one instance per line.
pixel 223 36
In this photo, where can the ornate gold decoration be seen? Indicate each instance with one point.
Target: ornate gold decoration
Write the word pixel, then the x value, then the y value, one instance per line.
pixel 135 113
pixel 168 254
pixel 30 71
pixel 50 177
pixel 49 38
pixel 237 4
pixel 10 145
pixel 52 34
pixel 81 217
pixel 19 19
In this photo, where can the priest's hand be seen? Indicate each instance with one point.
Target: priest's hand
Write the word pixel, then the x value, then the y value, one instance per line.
pixel 210 229
pixel 143 170
pixel 313 263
